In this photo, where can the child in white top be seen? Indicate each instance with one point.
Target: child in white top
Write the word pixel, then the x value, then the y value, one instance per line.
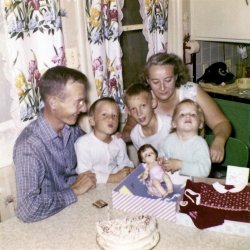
pixel 185 150
pixel 100 151
pixel 151 128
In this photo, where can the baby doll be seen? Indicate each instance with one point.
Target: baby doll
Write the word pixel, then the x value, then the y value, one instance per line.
pixel 147 154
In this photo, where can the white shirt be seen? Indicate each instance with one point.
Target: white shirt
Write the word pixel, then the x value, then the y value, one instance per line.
pixel 101 158
pixel 188 91
pixel 164 126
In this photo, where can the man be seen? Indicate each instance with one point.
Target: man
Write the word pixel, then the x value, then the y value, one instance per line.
pixel 44 154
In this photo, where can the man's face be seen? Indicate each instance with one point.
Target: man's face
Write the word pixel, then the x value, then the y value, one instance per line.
pixel 74 102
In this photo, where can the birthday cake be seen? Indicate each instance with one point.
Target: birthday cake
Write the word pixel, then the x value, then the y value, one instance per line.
pixel 132 233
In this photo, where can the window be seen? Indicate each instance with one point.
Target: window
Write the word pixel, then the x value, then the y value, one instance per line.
pixel 133 43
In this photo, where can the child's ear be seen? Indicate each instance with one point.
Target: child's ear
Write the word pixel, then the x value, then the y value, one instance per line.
pixel 173 124
pixel 127 110
pixel 201 125
pixel 91 121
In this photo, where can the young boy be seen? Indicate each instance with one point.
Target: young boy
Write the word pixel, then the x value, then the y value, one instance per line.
pixel 100 151
pixel 184 148
pixel 151 128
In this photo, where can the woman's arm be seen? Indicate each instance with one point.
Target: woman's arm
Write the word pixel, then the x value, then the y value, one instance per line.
pixel 217 121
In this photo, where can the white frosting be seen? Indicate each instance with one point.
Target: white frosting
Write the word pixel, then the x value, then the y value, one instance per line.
pixel 128 233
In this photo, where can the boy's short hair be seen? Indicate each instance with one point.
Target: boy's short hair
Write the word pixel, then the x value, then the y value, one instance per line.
pixel 136 89
pixel 103 99
pixel 54 80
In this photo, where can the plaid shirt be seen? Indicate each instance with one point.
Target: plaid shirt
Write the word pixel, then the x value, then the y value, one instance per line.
pixel 45 169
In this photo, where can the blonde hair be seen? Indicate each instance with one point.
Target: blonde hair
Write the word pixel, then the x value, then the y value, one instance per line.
pixel 162 58
pixel 135 90
pixel 201 131
pixel 92 108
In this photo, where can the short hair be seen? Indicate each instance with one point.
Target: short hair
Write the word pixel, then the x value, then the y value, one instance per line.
pixel 163 58
pixel 54 80
pixel 199 111
pixel 136 89
pixel 93 106
pixel 143 148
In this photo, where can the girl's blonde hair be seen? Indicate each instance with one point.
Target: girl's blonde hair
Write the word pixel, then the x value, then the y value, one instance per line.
pixel 201 131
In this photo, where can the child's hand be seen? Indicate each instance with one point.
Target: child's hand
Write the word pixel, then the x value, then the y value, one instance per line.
pixel 161 161
pixel 172 165
pixel 119 176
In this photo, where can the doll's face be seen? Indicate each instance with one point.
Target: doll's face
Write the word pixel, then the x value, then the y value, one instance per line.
pixel 148 156
pixel 162 81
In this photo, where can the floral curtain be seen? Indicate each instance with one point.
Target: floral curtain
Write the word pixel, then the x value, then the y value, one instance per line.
pixel 104 28
pixel 35 43
pixel 154 15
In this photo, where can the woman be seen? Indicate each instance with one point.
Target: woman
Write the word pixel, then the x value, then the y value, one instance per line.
pixel 168 78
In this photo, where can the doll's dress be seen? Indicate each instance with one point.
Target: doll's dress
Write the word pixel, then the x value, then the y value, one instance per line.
pixel 155 173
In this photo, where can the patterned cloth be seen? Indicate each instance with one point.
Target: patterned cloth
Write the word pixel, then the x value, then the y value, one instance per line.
pixel 207 207
pixel 45 168
pixel 228 201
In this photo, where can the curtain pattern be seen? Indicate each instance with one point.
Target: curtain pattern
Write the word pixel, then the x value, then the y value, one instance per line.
pixel 35 43
pixel 104 28
pixel 154 14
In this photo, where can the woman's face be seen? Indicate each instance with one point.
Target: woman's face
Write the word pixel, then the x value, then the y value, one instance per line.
pixel 162 81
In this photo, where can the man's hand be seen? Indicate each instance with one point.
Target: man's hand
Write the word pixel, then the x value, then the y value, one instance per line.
pixel 84 182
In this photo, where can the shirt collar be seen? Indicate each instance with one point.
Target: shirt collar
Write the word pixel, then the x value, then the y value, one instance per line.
pixel 50 133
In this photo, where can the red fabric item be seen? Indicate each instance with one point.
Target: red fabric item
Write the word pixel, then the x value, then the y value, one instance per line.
pixel 207 207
